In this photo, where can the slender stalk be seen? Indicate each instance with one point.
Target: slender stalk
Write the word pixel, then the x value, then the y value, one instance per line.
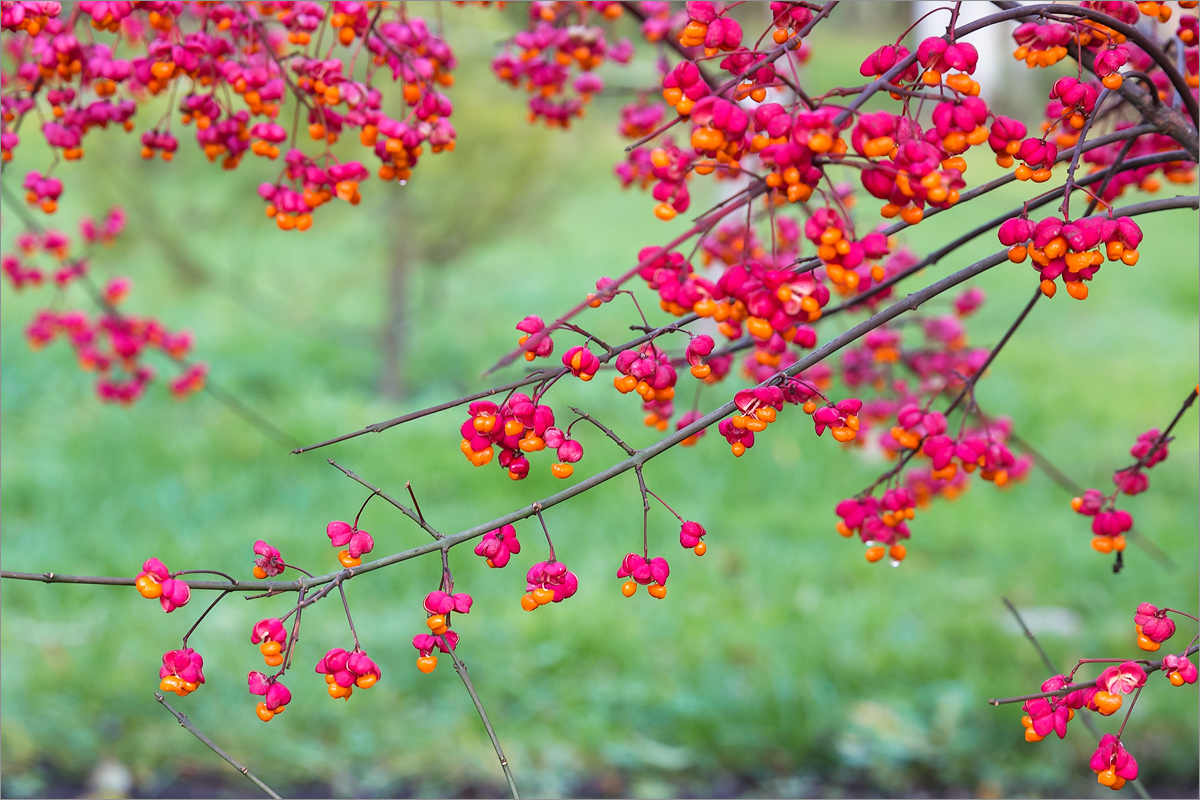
pixel 461 669
pixel 192 729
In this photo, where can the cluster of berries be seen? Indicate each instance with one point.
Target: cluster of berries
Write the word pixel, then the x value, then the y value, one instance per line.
pixel 548 582
pixel 555 58
pixel 438 607
pixel 111 343
pixel 344 671
pixel 517 427
pixel 1111 762
pixel 1070 250
pixel 232 66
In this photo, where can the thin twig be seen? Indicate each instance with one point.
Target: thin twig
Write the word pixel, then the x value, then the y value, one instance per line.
pixel 190 728
pixel 408 512
pixel 461 669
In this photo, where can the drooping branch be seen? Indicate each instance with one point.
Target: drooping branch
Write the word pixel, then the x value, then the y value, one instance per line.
pixel 909 303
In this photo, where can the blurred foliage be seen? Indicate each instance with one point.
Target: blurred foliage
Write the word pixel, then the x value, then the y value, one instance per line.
pixel 781 664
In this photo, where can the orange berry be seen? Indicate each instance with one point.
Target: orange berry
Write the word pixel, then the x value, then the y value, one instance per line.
pixel 1031 736
pixel 657 590
pixel 273 661
pixel 542 596
pixel 1147 644
pixel 1077 289
pixel 365 681
pixel 898 552
pixel 1129 257
pixel 1102 544
pixel 346 560
pixel 562 470
pixel 260 573
pixel 337 691
pixel 1118 542
pixel 738 449
pixel 435 622
pixel 628 588
pixel 1176 679
pixel 1106 703
pixel 1023 172
pixel 264 713
pixel 149 587
pixel 875 553
pixel 426 663
pixel 912 215
pixel 270 648
pixel 1113 81
pixel 170 683
pixel 664 212
pixel 700 549
pixel 701 371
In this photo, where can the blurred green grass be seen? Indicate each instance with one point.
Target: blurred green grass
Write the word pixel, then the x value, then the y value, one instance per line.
pixel 780 663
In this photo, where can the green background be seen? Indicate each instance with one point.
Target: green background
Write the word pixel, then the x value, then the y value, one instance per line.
pixel 781 664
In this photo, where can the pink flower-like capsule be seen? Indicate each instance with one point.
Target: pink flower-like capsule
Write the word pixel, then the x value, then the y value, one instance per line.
pixel 651 573
pixel 1122 679
pixel 691 534
pixel 1179 669
pixel 1046 715
pixel 182 671
pixel 1112 763
pixel 555 582
pixel 346 670
pixel 531 326
pixel 275 695
pixel 154 581
pixel 582 362
pixel 499 546
pixel 268 630
pixel 269 562
pixel 1153 626
pixel 342 534
pixel 643 570
pixel 440 602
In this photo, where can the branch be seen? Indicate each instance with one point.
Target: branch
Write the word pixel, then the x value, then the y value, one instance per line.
pixel 187 725
pixel 909 303
pixel 461 669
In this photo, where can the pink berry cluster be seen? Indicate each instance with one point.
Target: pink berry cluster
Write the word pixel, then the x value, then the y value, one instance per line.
pixel 1109 523
pixel 439 606
pixel 517 427
pixel 649 572
pixel 229 68
pixel 555 58
pixel 111 343
pixel 182 671
pixel 1070 250
pixel 1063 695
pixel 548 582
pixel 345 671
